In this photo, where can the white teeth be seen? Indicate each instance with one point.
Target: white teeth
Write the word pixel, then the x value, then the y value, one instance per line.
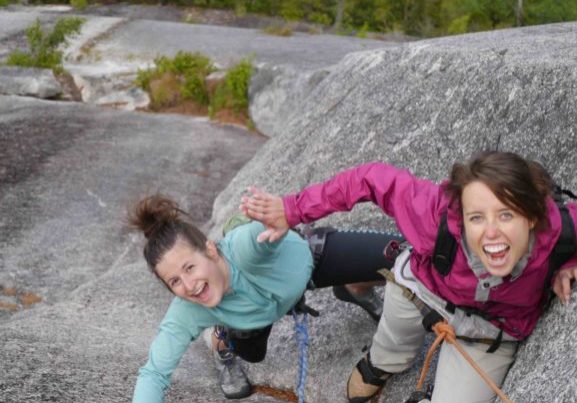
pixel 198 291
pixel 495 248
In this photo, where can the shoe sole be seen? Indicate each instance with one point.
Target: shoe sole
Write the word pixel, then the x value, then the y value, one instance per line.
pixel 245 392
pixel 342 294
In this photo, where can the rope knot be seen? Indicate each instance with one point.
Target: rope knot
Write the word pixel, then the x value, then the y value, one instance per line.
pixel 444 331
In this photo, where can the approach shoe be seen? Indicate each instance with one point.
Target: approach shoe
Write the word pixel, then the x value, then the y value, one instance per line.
pixel 370 301
pixel 232 378
pixel 418 395
pixel 366 381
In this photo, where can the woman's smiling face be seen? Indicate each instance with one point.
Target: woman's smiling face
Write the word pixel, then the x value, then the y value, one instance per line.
pixel 496 233
pixel 199 277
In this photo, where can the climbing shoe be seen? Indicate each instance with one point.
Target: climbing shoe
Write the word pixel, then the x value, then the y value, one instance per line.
pixel 369 301
pixel 419 395
pixel 232 379
pixel 366 381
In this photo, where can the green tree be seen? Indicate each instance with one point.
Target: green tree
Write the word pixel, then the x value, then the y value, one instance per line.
pixel 547 11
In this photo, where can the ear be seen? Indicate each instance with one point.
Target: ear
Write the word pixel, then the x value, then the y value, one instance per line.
pixel 532 224
pixel 211 249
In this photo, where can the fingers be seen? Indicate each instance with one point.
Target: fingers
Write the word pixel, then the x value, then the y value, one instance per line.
pixel 562 284
pixel 558 290
pixel 262 206
pixel 257 194
pixel 256 213
pixel 271 235
pixel 278 234
pixel 253 204
pixel 265 236
pixel 565 289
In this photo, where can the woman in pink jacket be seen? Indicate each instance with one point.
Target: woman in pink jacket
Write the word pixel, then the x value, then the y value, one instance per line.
pixel 499 208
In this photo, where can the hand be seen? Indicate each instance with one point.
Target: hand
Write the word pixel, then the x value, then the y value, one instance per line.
pixel 269 210
pixel 562 284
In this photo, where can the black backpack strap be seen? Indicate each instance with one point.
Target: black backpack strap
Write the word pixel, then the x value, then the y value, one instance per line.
pixel 565 247
pixel 558 194
pixel 445 248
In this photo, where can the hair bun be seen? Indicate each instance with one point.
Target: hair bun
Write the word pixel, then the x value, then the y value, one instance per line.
pixel 153 212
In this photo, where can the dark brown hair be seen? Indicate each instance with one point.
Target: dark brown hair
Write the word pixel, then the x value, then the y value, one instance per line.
pixel 163 223
pixel 520 184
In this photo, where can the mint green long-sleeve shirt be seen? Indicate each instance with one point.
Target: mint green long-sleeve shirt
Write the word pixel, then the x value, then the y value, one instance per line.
pixel 266 281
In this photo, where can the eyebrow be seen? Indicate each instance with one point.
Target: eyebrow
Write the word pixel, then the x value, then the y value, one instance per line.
pixel 472 212
pixel 480 212
pixel 186 264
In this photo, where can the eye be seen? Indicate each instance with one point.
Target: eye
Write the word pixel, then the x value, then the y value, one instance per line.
pixel 475 218
pixel 188 268
pixel 174 282
pixel 506 215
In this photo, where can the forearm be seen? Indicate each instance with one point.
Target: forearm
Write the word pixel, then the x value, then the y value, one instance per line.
pixel 368 182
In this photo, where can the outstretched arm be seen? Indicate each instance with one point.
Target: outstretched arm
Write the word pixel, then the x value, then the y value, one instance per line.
pixel 562 283
pixel 413 203
pixel 269 210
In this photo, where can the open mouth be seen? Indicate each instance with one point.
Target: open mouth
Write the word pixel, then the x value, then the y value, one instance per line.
pixel 201 293
pixel 496 252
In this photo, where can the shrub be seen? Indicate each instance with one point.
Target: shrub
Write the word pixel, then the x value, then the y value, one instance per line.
pixel 43 47
pixel 363 31
pixel 232 92
pixel 79 4
pixel 239 8
pixel 165 91
pixel 189 70
pixel 179 80
pixel 459 25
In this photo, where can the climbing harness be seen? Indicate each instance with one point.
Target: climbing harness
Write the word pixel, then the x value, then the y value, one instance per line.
pixel 433 321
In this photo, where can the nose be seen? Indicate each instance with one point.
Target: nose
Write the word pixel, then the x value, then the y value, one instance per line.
pixel 188 283
pixel 492 229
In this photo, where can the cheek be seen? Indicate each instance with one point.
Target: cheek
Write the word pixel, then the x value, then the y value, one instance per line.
pixel 522 240
pixel 472 235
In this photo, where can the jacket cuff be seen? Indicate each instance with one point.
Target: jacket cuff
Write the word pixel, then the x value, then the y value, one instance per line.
pixel 290 210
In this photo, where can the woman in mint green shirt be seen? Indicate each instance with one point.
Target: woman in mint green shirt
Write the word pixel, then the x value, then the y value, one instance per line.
pixel 239 285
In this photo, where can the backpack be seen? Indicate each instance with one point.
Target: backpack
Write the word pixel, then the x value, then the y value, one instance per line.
pixel 236 220
pixel 565 248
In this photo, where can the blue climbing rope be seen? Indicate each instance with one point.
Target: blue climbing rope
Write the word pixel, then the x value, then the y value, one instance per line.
pixel 301 329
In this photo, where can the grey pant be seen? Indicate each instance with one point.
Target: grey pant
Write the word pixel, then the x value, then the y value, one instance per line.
pixel 400 336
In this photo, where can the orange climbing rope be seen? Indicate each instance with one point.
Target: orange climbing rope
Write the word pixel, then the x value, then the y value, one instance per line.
pixel 445 332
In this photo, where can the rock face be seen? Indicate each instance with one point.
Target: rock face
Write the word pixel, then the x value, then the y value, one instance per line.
pixel 423 106
pixel 30 82
pixel 276 92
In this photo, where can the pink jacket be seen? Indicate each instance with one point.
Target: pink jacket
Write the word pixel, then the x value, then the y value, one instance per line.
pixel 416 206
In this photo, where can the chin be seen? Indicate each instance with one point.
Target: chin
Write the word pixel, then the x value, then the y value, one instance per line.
pixel 212 303
pixel 500 272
